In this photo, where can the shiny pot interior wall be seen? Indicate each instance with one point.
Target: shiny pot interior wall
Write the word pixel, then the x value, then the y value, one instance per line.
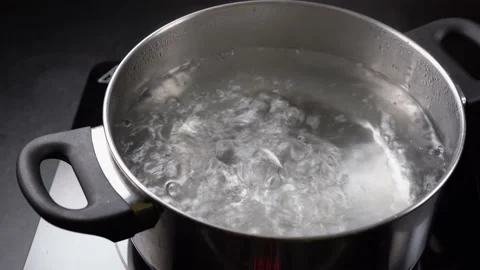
pixel 288 24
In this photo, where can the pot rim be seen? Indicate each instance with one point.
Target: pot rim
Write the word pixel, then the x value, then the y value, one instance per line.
pixel 455 157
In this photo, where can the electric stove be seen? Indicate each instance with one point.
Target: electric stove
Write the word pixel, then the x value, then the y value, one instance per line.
pixel 57 249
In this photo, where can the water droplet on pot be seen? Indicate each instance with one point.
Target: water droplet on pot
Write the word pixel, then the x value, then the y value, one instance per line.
pixel 173 189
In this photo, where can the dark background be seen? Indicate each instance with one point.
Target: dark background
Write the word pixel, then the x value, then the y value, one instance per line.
pixel 47 49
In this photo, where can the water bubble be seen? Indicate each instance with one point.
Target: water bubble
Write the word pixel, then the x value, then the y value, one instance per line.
pixel 431 179
pixel 294 116
pixel 260 106
pixel 237 193
pixel 225 151
pixel 273 182
pixel 262 165
pixel 246 118
pixel 441 149
pixel 172 169
pixel 166 130
pixel 313 121
pixel 386 138
pixel 428 136
pixel 220 178
pixel 126 123
pixel 302 138
pixel 298 150
pixel 172 100
pixel 437 151
pixel 429 183
pixel 283 147
pixel 173 188
pixel 341 118
pixel 278 105
pixel 198 108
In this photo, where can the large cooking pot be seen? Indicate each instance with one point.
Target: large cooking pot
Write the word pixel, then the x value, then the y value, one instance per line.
pixel 120 207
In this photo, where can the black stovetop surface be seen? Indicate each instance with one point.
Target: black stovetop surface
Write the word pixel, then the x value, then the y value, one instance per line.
pixel 452 245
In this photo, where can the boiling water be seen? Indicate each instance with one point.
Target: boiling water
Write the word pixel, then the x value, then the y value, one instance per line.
pixel 281 142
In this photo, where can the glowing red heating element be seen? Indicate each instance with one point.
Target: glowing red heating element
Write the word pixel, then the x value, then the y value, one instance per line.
pixel 266 263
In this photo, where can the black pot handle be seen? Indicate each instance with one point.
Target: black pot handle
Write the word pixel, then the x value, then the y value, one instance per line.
pixel 430 36
pixel 106 215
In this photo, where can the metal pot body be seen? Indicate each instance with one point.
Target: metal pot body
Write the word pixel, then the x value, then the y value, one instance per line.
pixel 395 245
pixel 120 207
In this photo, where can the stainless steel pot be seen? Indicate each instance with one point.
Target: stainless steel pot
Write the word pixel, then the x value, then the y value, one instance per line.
pixel 120 207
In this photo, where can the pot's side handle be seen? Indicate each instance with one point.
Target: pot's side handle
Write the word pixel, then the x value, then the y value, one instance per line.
pixel 430 36
pixel 106 214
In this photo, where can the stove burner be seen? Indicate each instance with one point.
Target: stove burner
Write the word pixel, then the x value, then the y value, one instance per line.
pixel 266 264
